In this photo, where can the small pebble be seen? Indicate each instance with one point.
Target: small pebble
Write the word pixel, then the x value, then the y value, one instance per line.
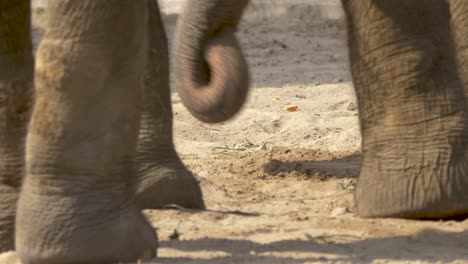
pixel 339 211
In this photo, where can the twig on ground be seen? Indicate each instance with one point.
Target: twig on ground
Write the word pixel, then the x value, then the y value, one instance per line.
pixel 183 209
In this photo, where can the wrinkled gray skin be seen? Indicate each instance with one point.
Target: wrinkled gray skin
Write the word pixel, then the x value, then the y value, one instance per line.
pixel 77 203
pixel 90 191
pixel 409 63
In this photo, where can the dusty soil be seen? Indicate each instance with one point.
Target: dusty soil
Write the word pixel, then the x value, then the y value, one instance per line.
pixel 279 184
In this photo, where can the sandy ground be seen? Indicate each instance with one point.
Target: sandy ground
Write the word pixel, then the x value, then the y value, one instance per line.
pixel 279 184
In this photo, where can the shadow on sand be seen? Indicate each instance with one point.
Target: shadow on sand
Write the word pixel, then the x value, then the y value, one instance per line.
pixel 429 245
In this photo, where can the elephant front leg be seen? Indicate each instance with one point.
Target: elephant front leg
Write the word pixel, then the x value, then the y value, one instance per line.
pixel 16 75
pixel 77 199
pixel 412 109
pixel 162 177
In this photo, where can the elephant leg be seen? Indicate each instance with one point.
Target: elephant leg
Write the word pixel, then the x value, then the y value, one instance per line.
pixel 459 23
pixel 77 199
pixel 163 178
pixel 16 71
pixel 412 109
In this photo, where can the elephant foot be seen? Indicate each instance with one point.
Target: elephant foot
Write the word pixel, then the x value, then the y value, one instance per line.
pixel 379 194
pixel 169 182
pixel 54 228
pixel 418 176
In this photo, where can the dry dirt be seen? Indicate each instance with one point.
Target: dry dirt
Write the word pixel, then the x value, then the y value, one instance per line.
pixel 279 184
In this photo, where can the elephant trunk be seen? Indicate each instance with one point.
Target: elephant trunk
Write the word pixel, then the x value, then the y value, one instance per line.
pixel 211 73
